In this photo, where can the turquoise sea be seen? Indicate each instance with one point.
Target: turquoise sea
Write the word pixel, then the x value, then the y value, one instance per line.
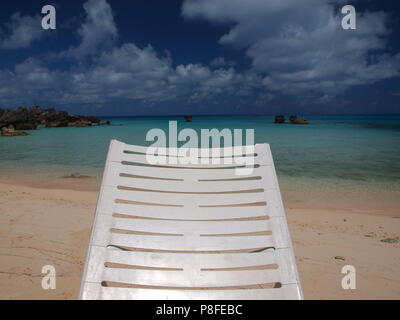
pixel 362 149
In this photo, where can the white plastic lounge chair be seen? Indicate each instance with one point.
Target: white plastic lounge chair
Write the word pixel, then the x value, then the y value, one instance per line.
pixel 189 232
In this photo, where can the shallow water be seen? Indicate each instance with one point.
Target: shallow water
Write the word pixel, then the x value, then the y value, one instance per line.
pixel 357 150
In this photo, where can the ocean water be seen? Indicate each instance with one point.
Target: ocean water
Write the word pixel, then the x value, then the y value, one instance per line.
pixel 361 150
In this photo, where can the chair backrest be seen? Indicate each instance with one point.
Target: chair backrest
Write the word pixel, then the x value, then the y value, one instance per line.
pixel 180 230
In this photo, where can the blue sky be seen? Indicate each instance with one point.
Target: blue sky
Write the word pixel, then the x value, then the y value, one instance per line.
pixel 116 57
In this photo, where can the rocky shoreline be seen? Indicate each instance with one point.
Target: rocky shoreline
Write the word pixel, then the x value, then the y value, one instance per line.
pixel 12 122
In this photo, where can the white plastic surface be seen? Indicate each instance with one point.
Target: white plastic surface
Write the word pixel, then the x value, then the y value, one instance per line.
pixel 189 231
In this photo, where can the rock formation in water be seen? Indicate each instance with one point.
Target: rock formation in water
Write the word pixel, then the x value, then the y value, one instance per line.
pixel 29 118
pixel 296 120
pixel 11 132
pixel 280 119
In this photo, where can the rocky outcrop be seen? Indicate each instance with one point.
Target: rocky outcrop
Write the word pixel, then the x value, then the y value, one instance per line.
pixel 11 132
pixel 301 121
pixel 25 126
pixel 81 123
pixel 29 118
pixel 280 119
pixel 22 116
pixel 90 119
pixel 56 124
pixel 295 120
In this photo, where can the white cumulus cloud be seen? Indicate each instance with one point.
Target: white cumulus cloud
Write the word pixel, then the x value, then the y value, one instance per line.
pixel 300 46
pixel 98 31
pixel 21 31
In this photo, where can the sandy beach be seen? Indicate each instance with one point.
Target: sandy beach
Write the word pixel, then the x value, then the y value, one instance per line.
pixel 41 226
